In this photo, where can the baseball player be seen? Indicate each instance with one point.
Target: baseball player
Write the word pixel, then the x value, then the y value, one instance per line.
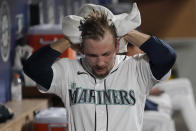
pixel 102 91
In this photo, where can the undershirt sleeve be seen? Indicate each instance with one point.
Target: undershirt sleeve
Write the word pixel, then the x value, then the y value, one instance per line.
pixel 38 66
pixel 161 56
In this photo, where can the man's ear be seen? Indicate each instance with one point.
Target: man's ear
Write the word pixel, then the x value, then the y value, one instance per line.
pixel 117 46
pixel 76 47
pixel 82 50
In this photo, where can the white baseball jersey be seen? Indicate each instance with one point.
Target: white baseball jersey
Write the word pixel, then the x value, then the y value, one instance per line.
pixel 114 103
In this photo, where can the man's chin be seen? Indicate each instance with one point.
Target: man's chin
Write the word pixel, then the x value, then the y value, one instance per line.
pixel 100 75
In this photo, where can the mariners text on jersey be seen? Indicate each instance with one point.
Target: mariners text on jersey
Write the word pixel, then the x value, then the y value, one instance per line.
pixel 79 95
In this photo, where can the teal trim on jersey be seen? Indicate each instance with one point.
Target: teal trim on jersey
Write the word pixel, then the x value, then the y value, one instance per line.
pixel 79 95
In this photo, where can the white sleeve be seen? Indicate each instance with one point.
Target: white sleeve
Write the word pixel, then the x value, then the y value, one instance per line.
pixel 60 80
pixel 145 76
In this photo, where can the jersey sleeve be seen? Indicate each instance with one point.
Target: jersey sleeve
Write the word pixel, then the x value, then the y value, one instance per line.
pixel 145 77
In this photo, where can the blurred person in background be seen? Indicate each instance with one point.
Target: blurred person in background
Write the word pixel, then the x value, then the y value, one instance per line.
pixel 22 52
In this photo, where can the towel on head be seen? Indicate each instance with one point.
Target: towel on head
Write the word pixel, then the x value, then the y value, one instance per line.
pixel 124 23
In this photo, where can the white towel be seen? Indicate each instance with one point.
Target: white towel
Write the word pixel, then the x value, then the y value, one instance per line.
pixel 124 22
pixel 70 27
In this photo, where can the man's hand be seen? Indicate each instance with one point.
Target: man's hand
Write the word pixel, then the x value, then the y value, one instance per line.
pixel 64 43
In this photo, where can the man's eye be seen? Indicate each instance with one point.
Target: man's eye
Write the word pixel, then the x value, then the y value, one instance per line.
pixel 106 54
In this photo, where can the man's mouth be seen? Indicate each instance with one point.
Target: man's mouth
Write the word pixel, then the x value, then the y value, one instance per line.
pixel 100 69
pixel 100 72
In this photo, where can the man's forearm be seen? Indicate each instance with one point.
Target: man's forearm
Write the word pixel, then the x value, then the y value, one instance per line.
pixel 61 45
pixel 136 38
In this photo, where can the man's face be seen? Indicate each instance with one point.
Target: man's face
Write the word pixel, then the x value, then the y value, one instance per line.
pixel 100 54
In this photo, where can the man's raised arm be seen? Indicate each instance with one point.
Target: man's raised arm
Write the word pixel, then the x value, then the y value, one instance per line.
pixel 161 56
pixel 38 66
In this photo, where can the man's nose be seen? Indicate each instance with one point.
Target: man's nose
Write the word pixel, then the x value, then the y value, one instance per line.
pixel 100 61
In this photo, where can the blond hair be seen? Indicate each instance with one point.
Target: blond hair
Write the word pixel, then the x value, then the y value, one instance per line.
pixel 95 25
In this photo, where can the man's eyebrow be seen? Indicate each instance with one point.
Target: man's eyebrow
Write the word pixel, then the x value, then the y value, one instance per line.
pixel 106 53
pixel 89 54
pixel 95 55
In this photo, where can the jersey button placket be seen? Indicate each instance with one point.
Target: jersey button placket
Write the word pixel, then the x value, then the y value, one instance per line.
pixel 103 129
pixel 101 118
pixel 100 111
